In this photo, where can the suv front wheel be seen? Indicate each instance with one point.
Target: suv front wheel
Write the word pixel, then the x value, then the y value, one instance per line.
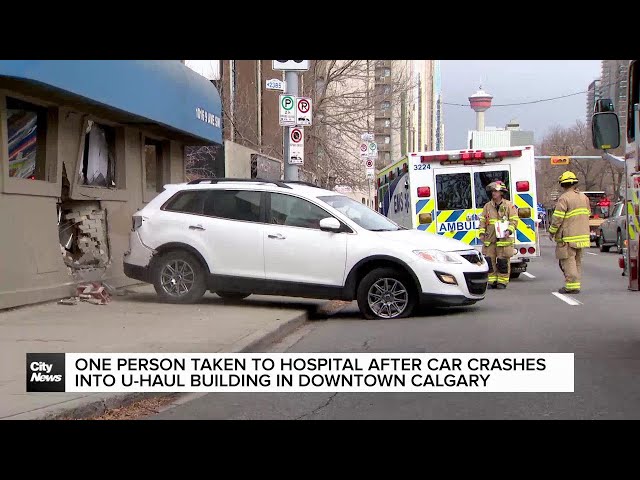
pixel 386 293
pixel 178 277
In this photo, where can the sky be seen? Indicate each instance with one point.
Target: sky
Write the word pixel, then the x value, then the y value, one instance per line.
pixel 512 81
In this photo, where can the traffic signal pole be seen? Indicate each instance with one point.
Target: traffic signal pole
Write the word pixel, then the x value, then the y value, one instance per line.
pixel 291 172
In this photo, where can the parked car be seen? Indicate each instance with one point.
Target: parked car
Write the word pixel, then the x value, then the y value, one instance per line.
pixel 613 231
pixel 242 237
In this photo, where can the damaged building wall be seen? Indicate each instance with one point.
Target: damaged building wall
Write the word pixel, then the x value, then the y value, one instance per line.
pixel 33 266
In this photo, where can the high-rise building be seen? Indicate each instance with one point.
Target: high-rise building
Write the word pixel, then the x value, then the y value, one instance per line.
pixel 394 112
pixel 614 86
pixel 593 94
pixel 438 120
pixel 429 130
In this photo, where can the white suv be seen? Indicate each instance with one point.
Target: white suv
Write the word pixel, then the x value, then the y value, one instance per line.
pixel 241 237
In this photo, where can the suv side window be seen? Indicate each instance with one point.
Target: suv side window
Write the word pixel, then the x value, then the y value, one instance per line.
pixel 191 201
pixel 241 205
pixel 295 212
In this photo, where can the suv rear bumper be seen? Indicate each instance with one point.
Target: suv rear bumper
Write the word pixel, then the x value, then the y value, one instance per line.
pixel 136 272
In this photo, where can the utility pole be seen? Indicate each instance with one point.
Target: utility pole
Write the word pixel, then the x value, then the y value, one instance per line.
pixel 291 172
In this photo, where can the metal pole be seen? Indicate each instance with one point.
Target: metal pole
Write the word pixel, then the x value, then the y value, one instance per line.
pixel 290 171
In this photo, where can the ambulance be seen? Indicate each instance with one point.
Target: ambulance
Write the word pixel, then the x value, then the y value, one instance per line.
pixel 443 193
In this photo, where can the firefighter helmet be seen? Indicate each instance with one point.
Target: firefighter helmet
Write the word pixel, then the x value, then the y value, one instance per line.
pixel 497 186
pixel 568 178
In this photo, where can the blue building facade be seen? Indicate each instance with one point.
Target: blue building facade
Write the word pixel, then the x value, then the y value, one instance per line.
pixel 83 145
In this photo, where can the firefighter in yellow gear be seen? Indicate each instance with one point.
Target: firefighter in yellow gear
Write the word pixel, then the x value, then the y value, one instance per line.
pixel 498 251
pixel 570 230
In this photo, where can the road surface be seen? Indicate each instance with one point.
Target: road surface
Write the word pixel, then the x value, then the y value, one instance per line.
pixel 602 329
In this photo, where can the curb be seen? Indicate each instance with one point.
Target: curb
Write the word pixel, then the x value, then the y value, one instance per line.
pixel 95 405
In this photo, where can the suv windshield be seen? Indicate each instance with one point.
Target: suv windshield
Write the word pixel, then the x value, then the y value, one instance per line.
pixel 361 214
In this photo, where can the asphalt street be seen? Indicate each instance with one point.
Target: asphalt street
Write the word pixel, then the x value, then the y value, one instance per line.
pixel 602 329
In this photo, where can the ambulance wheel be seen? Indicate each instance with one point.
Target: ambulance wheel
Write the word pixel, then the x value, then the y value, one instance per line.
pixel 385 294
pixel 514 275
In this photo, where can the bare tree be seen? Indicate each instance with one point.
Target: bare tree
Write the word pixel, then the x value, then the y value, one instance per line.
pixel 575 141
pixel 200 162
pixel 344 101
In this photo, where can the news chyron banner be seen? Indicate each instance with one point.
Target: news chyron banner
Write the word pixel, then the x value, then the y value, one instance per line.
pixel 299 372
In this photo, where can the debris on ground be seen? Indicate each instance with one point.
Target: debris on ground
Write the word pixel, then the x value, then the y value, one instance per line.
pixel 93 292
pixel 140 409
pixel 69 301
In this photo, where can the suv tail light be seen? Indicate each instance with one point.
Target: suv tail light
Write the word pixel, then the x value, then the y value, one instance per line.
pixel 424 191
pixel 136 222
pixel 522 186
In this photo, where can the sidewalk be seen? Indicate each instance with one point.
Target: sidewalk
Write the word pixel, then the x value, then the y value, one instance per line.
pixel 133 322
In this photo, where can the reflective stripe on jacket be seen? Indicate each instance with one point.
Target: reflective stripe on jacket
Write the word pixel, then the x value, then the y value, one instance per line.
pixel 570 219
pixel 490 215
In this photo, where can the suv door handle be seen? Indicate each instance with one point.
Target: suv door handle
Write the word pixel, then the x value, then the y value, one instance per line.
pixel 196 227
pixel 277 236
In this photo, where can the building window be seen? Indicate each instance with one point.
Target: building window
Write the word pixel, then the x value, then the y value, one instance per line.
pixel 387 123
pixel 387 140
pixel 386 104
pixel 387 72
pixel 387 89
pixel 97 168
pixel 153 165
pixel 26 135
pixel 387 156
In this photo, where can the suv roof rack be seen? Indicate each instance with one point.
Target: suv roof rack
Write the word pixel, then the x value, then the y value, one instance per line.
pixel 300 182
pixel 225 179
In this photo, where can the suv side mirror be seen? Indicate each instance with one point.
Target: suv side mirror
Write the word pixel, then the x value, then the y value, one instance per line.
pixel 330 224
pixel 605 131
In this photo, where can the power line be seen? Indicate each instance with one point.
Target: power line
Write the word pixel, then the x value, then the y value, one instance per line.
pixel 526 103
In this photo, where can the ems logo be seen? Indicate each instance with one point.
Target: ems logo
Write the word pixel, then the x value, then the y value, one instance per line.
pixel 45 372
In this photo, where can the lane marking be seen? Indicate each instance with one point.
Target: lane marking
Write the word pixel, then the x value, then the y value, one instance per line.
pixel 590 253
pixel 566 299
pixel 528 275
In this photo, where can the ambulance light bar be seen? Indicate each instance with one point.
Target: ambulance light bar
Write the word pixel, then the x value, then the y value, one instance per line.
pixel 470 157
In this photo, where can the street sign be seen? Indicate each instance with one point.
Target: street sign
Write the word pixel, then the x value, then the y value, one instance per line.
pixel 369 163
pixel 275 84
pixel 373 150
pixel 368 150
pixel 303 111
pixel 367 137
pixel 364 150
pixel 559 160
pixel 296 146
pixel 291 65
pixel 287 110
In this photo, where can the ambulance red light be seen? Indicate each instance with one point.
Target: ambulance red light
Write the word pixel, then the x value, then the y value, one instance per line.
pixel 424 192
pixel 523 250
pixel 509 153
pixel 532 250
pixel 522 186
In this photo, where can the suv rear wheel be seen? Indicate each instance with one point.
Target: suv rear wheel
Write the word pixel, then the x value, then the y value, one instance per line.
pixel 386 293
pixel 178 277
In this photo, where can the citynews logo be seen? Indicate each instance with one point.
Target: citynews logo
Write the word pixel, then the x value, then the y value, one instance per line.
pixel 45 372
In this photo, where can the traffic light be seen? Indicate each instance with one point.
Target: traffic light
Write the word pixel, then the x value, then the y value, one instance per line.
pixel 291 65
